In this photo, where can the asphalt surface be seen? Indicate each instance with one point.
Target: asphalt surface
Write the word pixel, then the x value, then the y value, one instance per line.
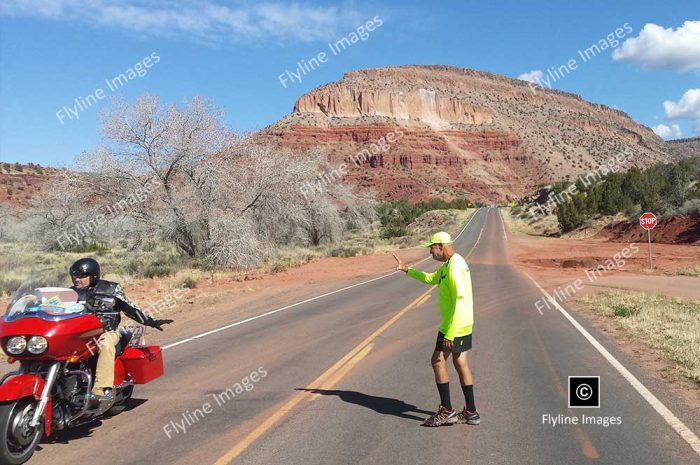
pixel 347 380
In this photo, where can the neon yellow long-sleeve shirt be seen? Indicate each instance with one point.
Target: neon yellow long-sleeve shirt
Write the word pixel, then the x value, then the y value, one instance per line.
pixel 455 298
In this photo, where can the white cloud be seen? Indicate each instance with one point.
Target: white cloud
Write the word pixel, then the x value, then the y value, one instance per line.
pixel 668 132
pixel 533 76
pixel 208 20
pixel 660 48
pixel 688 107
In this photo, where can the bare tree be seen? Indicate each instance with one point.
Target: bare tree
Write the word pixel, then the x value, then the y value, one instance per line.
pixel 177 173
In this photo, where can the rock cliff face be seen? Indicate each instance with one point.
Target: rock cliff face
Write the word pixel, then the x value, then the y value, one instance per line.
pixel 685 147
pixel 437 131
pixel 427 106
pixel 20 183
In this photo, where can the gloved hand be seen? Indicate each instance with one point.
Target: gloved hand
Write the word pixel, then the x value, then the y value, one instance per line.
pixel 158 323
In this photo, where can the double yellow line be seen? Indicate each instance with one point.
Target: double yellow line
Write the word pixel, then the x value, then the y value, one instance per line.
pixel 329 378
pixel 324 382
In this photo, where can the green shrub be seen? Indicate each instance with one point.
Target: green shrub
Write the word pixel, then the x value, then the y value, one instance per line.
pixel 157 270
pixel 625 311
pixel 394 231
pixel 9 283
pixel 186 281
pixel 402 212
pixel 663 188
pixel 345 251
pixel 85 247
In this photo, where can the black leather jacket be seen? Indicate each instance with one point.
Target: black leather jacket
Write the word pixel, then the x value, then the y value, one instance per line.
pixel 98 299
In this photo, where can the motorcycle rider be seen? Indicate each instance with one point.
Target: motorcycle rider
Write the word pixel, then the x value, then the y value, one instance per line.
pixel 85 274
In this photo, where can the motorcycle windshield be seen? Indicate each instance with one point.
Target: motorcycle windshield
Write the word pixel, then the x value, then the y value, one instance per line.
pixel 45 302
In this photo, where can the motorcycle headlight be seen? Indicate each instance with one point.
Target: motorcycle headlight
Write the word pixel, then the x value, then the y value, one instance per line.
pixel 16 345
pixel 37 345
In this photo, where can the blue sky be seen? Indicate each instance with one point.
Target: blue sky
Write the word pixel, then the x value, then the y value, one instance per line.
pixel 55 51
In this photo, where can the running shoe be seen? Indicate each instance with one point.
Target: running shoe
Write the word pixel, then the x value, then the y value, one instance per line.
pixel 442 417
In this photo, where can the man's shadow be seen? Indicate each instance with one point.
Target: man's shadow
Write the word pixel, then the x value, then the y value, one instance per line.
pixel 383 405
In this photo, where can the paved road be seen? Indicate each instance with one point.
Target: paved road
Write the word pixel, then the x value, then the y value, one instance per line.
pixel 347 380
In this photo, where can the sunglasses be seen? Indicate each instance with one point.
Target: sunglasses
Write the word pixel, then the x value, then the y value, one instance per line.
pixel 81 276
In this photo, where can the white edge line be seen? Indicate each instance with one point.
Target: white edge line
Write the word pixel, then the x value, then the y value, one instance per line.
pixel 662 410
pixel 503 223
pixel 272 312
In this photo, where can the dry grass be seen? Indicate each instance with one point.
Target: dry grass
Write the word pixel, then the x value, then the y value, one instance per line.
pixel 22 262
pixel 368 241
pixel 187 279
pixel 518 225
pixel 593 226
pixel 666 323
pixel 693 270
pixel 549 225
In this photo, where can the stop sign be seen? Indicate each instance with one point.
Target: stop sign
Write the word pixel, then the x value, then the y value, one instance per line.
pixel 648 220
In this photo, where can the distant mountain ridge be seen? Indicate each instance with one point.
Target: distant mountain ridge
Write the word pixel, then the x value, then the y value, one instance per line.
pixel 463 131
pixel 420 132
pixel 685 147
pixel 19 183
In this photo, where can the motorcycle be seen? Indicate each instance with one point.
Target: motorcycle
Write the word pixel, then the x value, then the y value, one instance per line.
pixel 54 339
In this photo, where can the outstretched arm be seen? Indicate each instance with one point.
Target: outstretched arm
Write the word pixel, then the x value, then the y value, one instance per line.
pixel 132 310
pixel 400 266
pixel 427 278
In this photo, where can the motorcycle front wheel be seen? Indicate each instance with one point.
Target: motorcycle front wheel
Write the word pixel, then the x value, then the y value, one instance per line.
pixel 18 439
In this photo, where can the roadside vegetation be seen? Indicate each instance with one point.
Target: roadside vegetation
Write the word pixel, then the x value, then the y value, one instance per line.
pixel 172 193
pixel 129 262
pixel 666 189
pixel 690 271
pixel 669 324
pixel 396 217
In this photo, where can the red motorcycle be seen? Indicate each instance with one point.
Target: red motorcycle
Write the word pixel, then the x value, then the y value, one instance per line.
pixel 54 339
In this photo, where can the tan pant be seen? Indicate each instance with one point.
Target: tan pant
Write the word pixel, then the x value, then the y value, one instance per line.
pixel 104 373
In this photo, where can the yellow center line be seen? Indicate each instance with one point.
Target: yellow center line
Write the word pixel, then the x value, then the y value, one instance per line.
pixel 325 380
pixel 477 241
pixel 343 371
pixel 355 360
pixel 423 300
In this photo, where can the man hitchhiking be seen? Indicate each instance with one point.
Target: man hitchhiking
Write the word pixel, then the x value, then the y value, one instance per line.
pixel 455 334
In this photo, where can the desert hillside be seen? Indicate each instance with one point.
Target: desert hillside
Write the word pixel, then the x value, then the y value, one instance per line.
pixel 685 147
pixel 20 182
pixel 459 131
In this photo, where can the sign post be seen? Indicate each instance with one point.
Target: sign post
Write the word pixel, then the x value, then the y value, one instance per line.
pixel 648 221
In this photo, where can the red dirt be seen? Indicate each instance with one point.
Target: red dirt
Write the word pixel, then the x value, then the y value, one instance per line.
pixel 545 259
pixel 555 261
pixel 673 230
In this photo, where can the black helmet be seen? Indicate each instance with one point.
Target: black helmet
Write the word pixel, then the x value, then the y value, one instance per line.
pixel 88 266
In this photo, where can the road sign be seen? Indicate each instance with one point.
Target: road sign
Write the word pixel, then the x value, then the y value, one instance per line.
pixel 648 221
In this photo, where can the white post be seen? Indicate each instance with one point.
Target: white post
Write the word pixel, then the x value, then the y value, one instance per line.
pixel 649 237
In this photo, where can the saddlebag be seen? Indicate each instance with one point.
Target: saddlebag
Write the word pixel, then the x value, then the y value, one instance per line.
pixel 143 364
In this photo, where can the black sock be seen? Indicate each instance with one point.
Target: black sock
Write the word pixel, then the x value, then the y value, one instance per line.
pixel 444 390
pixel 469 397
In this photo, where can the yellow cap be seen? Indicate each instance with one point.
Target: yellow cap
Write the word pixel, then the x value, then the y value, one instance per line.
pixel 439 238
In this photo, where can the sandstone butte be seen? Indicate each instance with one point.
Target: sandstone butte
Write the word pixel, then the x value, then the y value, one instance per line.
pixel 462 132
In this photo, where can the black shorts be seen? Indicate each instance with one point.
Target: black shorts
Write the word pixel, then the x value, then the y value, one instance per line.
pixel 459 344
